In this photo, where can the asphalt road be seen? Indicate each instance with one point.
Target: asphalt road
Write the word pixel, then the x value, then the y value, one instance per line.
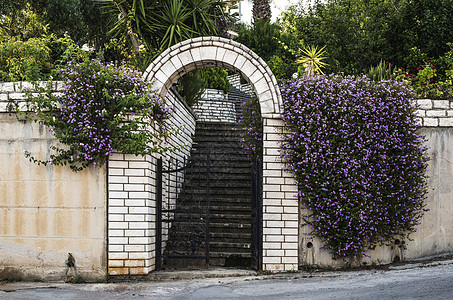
pixel 413 281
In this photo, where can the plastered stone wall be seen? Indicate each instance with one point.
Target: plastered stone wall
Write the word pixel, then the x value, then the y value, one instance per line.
pixel 46 212
pixel 132 198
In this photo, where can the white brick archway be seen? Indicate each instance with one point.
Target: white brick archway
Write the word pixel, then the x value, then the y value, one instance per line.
pixel 280 205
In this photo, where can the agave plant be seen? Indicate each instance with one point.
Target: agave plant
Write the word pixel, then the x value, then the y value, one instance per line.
pixel 312 60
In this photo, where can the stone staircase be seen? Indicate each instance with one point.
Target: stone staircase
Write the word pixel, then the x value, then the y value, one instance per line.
pixel 230 193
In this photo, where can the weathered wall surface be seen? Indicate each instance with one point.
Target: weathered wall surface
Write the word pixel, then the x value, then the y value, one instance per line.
pixel 435 235
pixel 47 212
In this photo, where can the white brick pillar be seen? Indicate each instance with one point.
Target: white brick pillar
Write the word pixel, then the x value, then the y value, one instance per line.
pixel 131 214
pixel 280 204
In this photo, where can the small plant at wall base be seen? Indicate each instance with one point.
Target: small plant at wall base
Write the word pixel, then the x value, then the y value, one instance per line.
pixel 353 147
pixel 103 108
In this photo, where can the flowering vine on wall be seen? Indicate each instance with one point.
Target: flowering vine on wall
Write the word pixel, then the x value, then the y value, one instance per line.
pixel 353 147
pixel 103 108
pixel 251 124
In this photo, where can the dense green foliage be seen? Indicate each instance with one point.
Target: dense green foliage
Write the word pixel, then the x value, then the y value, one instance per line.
pixel 270 43
pixel 359 34
pixel 36 58
pixel 215 78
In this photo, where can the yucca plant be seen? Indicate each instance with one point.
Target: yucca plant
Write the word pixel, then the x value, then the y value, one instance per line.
pixel 161 24
pixel 312 60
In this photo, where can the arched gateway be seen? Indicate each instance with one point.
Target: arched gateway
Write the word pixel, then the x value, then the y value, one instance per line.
pixel 280 205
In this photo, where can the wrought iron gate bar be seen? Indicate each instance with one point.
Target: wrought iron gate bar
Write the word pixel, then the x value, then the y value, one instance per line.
pixel 185 212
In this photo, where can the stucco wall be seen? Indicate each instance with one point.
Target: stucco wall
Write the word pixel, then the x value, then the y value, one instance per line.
pixel 435 235
pixel 47 212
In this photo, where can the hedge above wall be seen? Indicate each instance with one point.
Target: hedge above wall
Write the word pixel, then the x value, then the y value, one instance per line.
pixel 353 147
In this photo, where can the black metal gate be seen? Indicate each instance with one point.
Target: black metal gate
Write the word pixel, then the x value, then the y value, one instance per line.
pixel 257 215
pixel 183 212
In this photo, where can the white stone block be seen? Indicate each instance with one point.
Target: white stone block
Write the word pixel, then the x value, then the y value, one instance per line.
pixel 430 122
pixel 274 224
pixel 118 195
pixel 425 103
pixel 118 225
pixel 138 165
pixel 274 238
pixel 272 217
pixel 134 233
pixel 139 195
pixel 134 218
pixel 134 248
pixel 274 195
pixel 271 188
pixel 446 122
pixel 118 164
pixel 290 246
pixel 139 240
pixel 272 231
pixel 118 240
pixel 116 218
pixel 274 252
pixel 115 187
pixel 116 248
pixel 139 210
pixel 267 245
pixel 116 202
pixel 138 225
pixel 436 113
pixel 118 210
pixel 134 172
pixel 139 255
pixel 291 224
pixel 271 260
pixel 445 104
pixel 293 253
pixel 134 187
pixel 117 179
pixel 118 255
pixel 117 232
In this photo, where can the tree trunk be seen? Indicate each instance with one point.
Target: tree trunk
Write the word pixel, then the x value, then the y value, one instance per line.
pixel 261 10
pixel 130 32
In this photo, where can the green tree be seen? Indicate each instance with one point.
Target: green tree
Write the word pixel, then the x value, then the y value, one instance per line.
pixel 160 24
pixel 427 25
pixel 358 34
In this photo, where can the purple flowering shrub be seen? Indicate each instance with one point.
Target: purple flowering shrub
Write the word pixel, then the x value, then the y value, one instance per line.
pixel 252 128
pixel 353 147
pixel 103 108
